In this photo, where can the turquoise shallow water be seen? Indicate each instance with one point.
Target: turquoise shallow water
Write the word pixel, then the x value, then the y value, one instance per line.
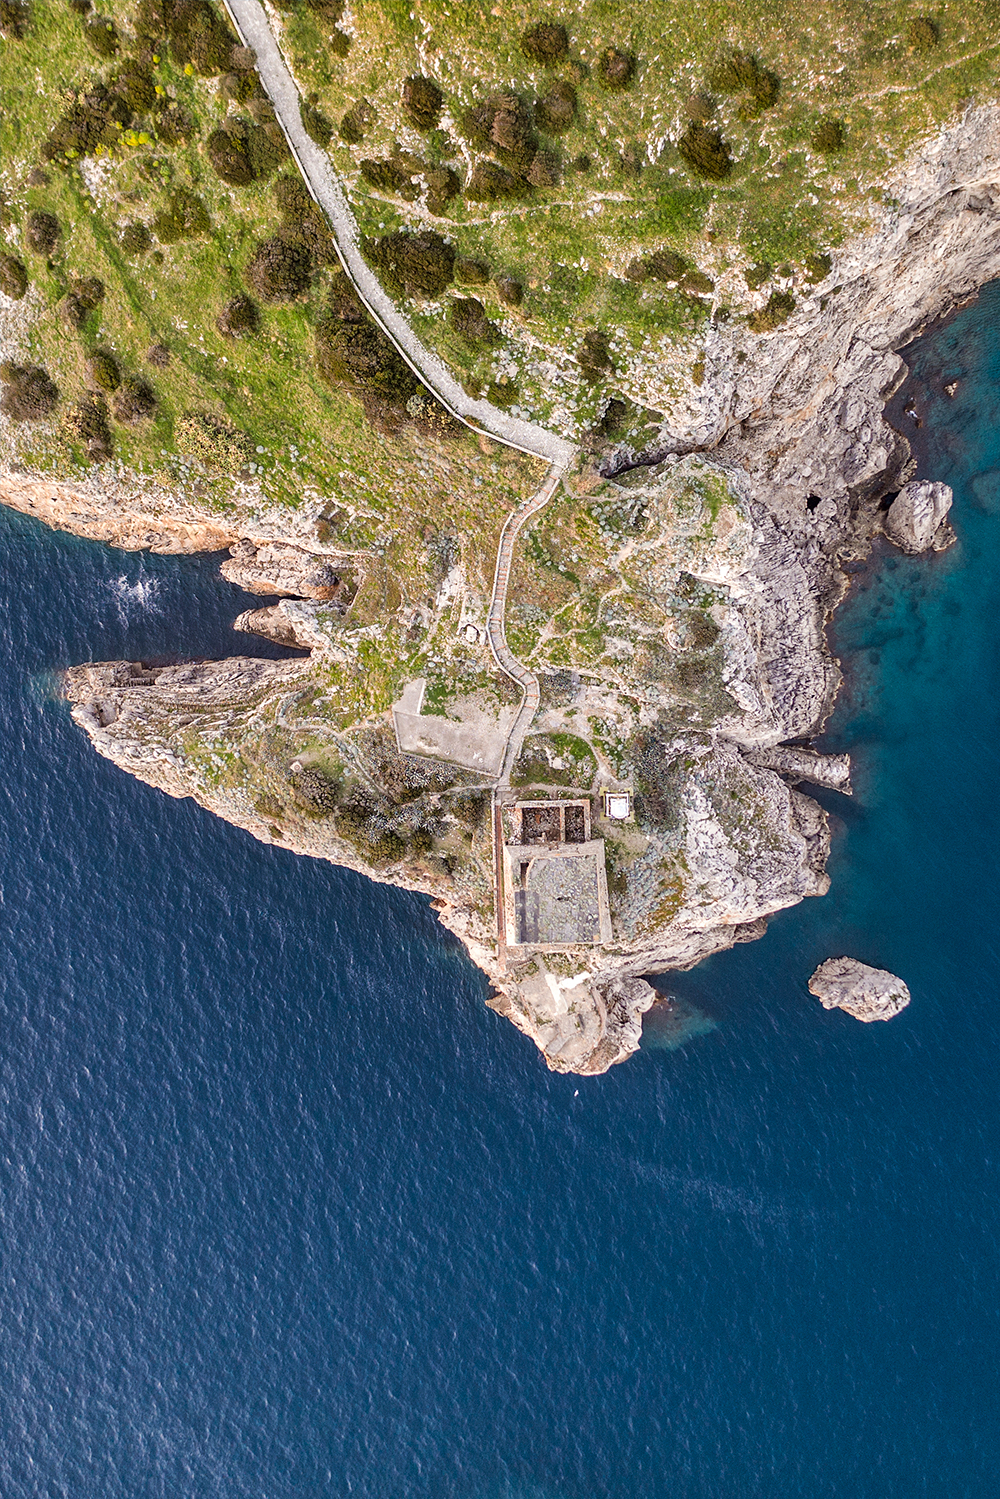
pixel 285 1211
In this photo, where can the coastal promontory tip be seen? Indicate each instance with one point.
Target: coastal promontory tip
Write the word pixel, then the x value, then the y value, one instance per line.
pixel 866 993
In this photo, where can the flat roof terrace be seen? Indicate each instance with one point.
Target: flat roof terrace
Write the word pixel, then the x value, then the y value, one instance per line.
pixel 556 889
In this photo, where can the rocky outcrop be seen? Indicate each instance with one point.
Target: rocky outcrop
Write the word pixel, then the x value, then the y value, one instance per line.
pixel 276 568
pixel 798 764
pixel 864 992
pixel 917 520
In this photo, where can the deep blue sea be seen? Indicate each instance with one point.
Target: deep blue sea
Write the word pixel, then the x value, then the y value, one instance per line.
pixel 286 1211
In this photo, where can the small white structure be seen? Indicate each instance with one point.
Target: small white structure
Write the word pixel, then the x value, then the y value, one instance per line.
pixel 618 805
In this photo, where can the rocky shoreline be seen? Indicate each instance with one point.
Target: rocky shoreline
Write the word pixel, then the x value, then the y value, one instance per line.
pixel 790 427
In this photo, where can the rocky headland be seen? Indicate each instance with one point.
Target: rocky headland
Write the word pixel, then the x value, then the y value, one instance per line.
pixel 705 567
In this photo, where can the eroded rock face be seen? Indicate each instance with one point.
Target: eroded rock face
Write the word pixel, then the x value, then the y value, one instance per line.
pixel 864 992
pixel 917 518
pixel 277 568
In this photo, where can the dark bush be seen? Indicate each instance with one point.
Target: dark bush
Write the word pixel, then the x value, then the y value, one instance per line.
pixel 87 421
pixel 315 124
pixel 80 7
pixel 741 73
pixel 818 266
pixel 318 791
pixel 158 355
pixel 637 270
pixel 280 268
pixel 467 316
pixel 502 393
pixel 89 290
pixel 594 357
pixel 416 265
pixel 172 122
pixel 544 170
pixel 828 137
pixel 780 306
pixel 923 34
pixel 102 36
pixel 471 272
pixel 242 152
pixel 555 112
pixel 38 178
pixel 502 125
pixel 185 217
pixel 384 176
pixel 292 198
pixel 135 86
pixel 13 19
pixel 13 277
pixel 443 184
pixel 492 183
pixel 135 238
pixel 135 401
pixel 422 101
pixel 329 11
pixel 239 87
pixel 91 121
pixel 340 44
pixel 359 355
pixel 757 274
pixel 509 289
pixel 697 282
pixel 72 311
pixel 582 163
pixel 355 122
pixel 705 152
pixel 28 395
pixel 304 221
pixel 103 371
pixel 239 316
pixel 198 36
pixel 666 265
pixel 615 69
pixel 43 231
pixel 545 43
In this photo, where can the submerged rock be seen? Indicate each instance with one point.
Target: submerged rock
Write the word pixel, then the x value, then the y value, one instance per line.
pixel 864 992
pixel 917 518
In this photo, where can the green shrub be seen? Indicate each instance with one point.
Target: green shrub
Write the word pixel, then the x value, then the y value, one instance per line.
pixel 102 36
pixel 213 441
pixel 158 355
pixel 329 11
pixel 172 122
pixel 103 371
pixel 304 220
pixel 780 306
pixel 72 311
pixel 184 217
pixel 86 421
pixel 280 268
pixel 594 356
pixel 818 266
pixel 503 393
pixel 666 265
pixel 544 170
pixel 471 272
pixel 319 792
pixel 198 34
pixel 28 393
pixel 545 43
pixel 697 282
pixel 239 87
pixel 503 125
pixel 422 101
pixel 240 316
pixel 135 401
pixel 135 238
pixel 705 152
pixel 467 316
pixel 509 289
pixel 615 69
pixel 923 34
pixel 315 124
pixel 14 17
pixel 828 137
pixel 556 110
pixel 492 183
pixel 340 44
pixel 757 274
pixel 13 277
pixel 89 290
pixel 355 123
pixel 384 176
pixel 135 86
pixel 358 355
pixel 242 152
pixel 443 185
pixel 741 73
pixel 414 265
pixel 42 232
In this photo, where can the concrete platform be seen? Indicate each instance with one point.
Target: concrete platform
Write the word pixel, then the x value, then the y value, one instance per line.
pixel 474 734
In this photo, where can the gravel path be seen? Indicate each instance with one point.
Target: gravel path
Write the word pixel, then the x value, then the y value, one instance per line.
pixel 250 20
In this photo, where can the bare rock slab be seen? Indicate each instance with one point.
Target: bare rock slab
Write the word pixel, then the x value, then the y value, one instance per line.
pixel 864 992
pixel 918 517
